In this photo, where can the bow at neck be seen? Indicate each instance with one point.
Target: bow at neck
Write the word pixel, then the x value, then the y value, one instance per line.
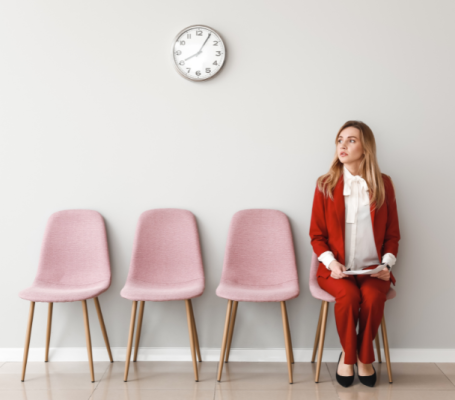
pixel 357 189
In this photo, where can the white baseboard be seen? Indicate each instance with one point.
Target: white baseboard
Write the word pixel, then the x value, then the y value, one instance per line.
pixel 242 355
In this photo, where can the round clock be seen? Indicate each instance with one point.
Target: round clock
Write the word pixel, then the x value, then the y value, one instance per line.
pixel 198 52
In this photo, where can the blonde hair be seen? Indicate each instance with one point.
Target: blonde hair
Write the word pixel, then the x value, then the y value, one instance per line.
pixel 368 169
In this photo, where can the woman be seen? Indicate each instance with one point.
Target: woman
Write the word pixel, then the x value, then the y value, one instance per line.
pixel 354 226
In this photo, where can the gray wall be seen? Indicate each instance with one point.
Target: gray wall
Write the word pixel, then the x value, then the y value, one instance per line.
pixel 93 115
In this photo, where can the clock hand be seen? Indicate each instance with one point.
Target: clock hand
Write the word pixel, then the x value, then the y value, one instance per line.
pixel 194 55
pixel 205 41
pixel 200 51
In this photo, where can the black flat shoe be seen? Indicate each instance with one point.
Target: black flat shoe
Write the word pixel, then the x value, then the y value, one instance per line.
pixel 344 381
pixel 369 380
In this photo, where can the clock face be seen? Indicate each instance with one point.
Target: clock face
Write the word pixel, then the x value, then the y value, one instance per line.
pixel 198 52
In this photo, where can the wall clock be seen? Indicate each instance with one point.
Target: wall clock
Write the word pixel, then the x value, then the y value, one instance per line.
pixel 198 52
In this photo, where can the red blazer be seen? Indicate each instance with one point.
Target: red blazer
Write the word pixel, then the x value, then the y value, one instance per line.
pixel 327 228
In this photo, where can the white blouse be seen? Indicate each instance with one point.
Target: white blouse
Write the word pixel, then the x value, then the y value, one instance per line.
pixel 360 249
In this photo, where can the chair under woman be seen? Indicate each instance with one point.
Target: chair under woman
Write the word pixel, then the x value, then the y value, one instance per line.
pixel 327 298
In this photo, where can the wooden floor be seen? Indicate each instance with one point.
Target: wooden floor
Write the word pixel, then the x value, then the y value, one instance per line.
pixel 241 380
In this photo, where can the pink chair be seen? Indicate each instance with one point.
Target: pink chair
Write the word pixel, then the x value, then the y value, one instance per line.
pixel 74 266
pixel 166 265
pixel 327 298
pixel 259 266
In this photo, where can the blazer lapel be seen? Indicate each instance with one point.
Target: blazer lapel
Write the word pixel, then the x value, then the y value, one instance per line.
pixel 373 214
pixel 338 198
pixel 375 234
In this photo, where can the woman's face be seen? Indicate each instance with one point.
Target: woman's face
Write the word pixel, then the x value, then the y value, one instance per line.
pixel 349 147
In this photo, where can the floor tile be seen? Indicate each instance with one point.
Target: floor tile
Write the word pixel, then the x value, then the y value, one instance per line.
pixel 289 394
pixel 160 375
pixel 55 367
pixel 367 394
pixel 51 376
pixel 406 376
pixel 195 394
pixel 240 381
pixel 273 376
pixel 45 394
pixel 448 369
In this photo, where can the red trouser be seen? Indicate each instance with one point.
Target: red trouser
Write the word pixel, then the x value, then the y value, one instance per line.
pixel 357 296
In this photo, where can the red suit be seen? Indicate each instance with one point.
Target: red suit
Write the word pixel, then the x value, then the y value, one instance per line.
pixel 327 232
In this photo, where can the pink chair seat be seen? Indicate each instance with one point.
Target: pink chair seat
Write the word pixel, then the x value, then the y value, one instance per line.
pixel 321 294
pixel 238 292
pixel 53 293
pixel 136 290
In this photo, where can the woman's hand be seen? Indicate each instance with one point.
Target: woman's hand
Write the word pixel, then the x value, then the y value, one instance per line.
pixel 337 270
pixel 384 274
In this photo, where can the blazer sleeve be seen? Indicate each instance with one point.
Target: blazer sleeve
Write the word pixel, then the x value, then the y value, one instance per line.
pixel 318 227
pixel 392 233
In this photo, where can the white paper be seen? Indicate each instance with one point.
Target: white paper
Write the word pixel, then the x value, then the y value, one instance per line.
pixel 379 268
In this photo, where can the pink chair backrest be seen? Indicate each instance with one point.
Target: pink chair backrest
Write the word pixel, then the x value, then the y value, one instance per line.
pixel 166 248
pixel 74 250
pixel 260 249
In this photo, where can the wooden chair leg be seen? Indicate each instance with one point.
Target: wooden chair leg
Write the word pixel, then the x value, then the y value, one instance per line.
pixel 192 339
pixel 196 338
pixel 130 341
pixel 48 333
pixel 231 330
pixel 88 339
pixel 289 334
pixel 385 341
pixel 103 327
pixel 286 340
pixel 225 335
pixel 378 347
pixel 318 332
pixel 138 329
pixel 321 339
pixel 27 338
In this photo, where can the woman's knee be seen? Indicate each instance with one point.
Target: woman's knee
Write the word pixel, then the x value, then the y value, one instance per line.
pixel 349 298
pixel 372 296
